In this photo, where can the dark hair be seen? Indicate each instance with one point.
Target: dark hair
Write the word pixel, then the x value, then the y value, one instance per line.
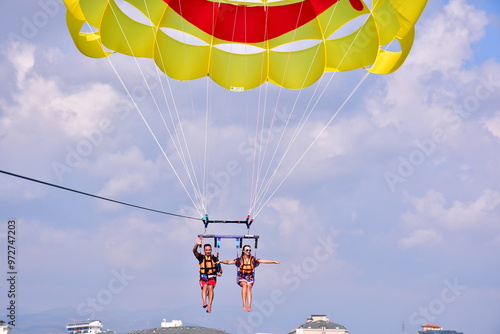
pixel 205 245
pixel 246 246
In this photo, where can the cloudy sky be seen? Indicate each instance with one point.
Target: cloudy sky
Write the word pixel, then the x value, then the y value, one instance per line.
pixel 390 219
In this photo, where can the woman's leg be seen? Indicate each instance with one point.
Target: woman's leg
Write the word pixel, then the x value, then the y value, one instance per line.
pixel 244 291
pixel 249 296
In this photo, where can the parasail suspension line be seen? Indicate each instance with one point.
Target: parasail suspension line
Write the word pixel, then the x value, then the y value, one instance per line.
pixel 313 142
pixel 196 191
pixel 265 188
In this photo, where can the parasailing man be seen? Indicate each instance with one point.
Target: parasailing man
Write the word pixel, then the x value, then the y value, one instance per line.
pixel 210 268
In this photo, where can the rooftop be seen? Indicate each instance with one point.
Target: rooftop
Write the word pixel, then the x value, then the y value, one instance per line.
pixel 180 330
pixel 86 323
pixel 318 324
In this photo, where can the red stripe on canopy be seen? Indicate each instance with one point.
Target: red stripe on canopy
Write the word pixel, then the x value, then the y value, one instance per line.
pixel 251 24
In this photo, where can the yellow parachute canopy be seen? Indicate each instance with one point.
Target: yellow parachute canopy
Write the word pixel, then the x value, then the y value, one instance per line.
pixel 242 44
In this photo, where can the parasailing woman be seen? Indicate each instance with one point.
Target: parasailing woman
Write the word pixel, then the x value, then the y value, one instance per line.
pixel 246 265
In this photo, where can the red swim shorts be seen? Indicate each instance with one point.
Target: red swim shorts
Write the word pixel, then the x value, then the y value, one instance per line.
pixel 210 281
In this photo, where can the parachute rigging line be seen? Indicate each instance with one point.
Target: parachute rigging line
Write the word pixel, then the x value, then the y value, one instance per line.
pixel 179 151
pixel 258 163
pixel 180 146
pixel 96 196
pixel 313 142
pixel 153 135
pixel 265 186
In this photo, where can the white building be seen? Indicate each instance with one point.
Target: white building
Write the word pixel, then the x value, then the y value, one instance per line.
pixel 431 327
pixel 435 329
pixel 85 327
pixel 3 328
pixel 173 323
pixel 319 324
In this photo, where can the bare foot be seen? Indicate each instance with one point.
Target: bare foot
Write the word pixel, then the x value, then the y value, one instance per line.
pixel 209 309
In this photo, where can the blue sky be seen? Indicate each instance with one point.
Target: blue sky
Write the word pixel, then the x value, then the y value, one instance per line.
pixel 391 217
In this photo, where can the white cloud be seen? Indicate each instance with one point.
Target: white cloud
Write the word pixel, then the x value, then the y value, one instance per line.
pixel 289 210
pixel 343 137
pixel 420 237
pixel 296 218
pixel 117 243
pixel 493 125
pixel 136 244
pixel 453 31
pixel 14 189
pixel 46 117
pixel 472 214
pixel 127 172
pixel 78 113
pixel 42 102
pixel 433 215
pixel 22 57
pixel 414 98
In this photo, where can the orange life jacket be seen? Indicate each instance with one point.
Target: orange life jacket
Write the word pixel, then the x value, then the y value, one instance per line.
pixel 246 265
pixel 208 265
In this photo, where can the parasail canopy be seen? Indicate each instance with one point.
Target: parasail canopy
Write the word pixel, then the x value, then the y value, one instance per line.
pixel 242 44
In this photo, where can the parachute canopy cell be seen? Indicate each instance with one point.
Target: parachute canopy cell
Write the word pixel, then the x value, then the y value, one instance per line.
pixel 242 44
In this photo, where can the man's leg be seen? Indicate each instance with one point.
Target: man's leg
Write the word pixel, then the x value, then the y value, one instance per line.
pixel 210 291
pixel 204 291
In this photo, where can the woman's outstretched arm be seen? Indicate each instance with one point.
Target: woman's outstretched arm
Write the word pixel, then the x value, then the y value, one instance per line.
pixel 269 261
